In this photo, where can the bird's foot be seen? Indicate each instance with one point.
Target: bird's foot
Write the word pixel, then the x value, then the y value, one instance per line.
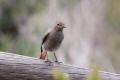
pixel 48 62
pixel 58 62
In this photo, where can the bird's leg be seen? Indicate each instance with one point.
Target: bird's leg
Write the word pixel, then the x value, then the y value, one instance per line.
pixel 56 60
pixel 47 58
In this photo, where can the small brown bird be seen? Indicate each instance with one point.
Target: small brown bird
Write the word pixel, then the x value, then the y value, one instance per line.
pixel 52 41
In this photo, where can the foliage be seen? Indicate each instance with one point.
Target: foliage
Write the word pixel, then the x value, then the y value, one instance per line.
pixel 59 74
pixel 26 47
pixel 112 33
pixel 13 13
pixel 20 45
pixel 94 75
pixel 4 43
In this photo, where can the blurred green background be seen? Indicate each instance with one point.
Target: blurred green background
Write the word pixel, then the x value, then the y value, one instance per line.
pixel 92 36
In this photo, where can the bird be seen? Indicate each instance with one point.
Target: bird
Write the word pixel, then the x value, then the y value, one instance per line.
pixel 52 41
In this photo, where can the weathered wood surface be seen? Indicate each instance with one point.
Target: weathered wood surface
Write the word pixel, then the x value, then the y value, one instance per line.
pixel 18 67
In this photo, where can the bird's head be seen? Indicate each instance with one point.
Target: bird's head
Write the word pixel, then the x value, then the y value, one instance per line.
pixel 60 26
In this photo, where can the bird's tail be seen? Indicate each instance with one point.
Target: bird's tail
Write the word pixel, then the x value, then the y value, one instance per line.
pixel 43 55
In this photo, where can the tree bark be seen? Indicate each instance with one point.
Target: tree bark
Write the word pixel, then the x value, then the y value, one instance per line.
pixel 18 67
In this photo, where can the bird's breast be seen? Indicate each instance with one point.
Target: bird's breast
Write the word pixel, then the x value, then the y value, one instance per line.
pixel 53 42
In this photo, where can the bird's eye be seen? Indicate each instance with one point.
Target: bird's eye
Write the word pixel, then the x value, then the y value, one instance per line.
pixel 58 24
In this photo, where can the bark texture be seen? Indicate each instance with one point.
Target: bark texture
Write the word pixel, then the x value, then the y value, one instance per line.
pixel 18 67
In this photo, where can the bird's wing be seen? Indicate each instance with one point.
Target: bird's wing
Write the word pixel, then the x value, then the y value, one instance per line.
pixel 44 39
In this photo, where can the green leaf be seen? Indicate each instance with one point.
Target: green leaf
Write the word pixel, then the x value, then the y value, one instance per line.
pixel 22 45
pixel 4 43
pixel 59 74
pixel 94 75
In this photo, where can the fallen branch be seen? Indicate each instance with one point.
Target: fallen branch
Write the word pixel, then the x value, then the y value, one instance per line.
pixel 18 67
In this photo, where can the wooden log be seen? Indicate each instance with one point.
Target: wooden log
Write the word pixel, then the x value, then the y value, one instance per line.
pixel 18 67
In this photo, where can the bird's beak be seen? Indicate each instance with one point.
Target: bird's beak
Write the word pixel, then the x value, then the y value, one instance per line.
pixel 64 27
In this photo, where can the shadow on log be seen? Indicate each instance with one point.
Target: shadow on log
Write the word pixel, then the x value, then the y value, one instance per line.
pixel 18 67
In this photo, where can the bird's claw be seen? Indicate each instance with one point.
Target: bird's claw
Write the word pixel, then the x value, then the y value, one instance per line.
pixel 49 62
pixel 58 62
